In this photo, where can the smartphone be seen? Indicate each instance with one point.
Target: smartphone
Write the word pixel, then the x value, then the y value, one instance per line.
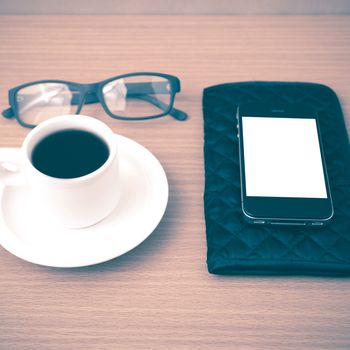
pixel 283 170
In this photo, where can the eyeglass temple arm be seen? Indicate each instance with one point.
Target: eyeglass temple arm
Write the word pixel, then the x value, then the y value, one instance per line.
pixel 8 113
pixel 144 91
pixel 176 113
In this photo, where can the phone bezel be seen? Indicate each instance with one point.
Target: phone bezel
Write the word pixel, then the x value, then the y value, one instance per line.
pixel 282 208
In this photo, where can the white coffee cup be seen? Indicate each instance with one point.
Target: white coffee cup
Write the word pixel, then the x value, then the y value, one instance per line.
pixel 74 202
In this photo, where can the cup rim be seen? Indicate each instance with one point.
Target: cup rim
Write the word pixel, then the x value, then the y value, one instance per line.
pixel 84 120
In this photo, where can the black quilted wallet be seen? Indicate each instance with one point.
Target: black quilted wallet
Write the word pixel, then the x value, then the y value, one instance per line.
pixel 236 247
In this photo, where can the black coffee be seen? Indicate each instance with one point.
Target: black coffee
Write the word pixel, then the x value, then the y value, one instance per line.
pixel 69 153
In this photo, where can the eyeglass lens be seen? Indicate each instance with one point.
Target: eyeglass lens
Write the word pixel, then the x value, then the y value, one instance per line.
pixel 138 96
pixel 40 102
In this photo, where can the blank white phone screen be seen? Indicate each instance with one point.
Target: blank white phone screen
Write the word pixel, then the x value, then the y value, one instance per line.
pixel 282 158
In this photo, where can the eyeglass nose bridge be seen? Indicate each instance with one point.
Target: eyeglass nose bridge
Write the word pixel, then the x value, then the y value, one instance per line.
pixel 90 93
pixel 91 88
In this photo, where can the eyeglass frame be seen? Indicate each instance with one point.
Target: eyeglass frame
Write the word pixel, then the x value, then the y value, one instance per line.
pixel 96 90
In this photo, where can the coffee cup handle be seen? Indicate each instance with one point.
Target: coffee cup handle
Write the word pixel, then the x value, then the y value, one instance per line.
pixel 11 167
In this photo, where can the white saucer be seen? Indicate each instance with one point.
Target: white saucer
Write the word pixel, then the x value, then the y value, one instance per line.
pixel 30 236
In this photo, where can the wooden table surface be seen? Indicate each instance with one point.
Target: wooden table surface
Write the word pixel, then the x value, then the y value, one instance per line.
pixel 160 295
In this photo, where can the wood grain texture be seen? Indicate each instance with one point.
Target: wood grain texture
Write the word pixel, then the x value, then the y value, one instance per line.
pixel 160 296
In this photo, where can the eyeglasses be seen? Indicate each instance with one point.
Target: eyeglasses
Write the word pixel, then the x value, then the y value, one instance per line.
pixel 135 96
